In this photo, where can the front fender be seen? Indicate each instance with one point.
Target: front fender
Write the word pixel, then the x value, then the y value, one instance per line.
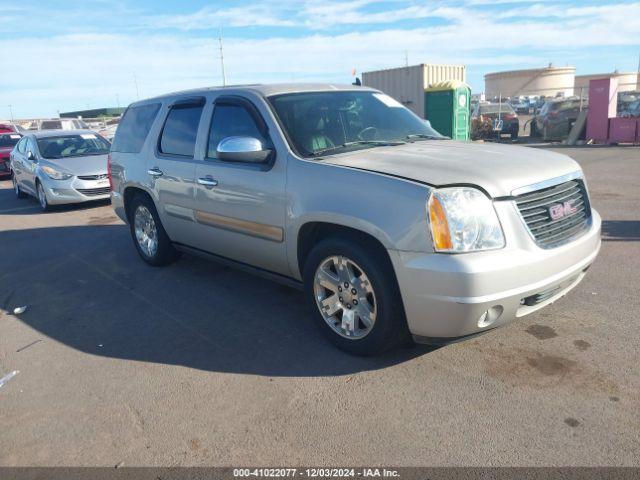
pixel 391 209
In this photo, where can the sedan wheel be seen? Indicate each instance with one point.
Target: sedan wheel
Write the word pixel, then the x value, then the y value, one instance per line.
pixel 42 198
pixel 16 187
pixel 345 297
pixel 146 231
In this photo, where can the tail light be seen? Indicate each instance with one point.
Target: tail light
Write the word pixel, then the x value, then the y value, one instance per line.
pixel 109 172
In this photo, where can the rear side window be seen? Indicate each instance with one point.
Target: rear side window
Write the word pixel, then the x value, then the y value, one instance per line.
pixel 134 128
pixel 22 145
pixel 180 130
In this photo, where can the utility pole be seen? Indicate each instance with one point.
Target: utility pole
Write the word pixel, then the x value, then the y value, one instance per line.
pixel 11 112
pixel 118 100
pixel 406 58
pixel 224 75
pixel 135 81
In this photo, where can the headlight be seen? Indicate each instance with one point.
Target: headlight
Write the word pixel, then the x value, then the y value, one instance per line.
pixel 55 174
pixel 463 220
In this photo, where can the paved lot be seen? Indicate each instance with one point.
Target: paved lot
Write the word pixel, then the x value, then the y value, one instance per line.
pixel 197 364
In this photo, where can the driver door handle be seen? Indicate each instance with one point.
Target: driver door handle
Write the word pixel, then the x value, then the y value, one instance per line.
pixel 155 172
pixel 207 181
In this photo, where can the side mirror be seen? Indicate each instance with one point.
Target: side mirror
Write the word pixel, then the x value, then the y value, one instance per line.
pixel 427 123
pixel 242 149
pixel 30 156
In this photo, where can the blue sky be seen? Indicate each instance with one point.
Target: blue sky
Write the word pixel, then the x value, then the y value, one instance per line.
pixel 76 54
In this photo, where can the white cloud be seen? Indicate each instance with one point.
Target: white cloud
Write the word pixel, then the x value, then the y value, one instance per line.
pixel 70 72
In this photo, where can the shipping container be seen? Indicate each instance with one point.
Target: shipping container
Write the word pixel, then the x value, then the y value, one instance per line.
pixel 623 130
pixel 407 84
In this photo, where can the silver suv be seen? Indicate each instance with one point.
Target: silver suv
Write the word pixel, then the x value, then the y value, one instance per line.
pixel 392 230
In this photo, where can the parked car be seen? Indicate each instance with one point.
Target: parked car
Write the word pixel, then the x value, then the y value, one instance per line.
pixel 61 166
pixel 520 106
pixel 8 128
pixel 556 118
pixel 490 120
pixel 391 230
pixel 7 142
pixel 59 124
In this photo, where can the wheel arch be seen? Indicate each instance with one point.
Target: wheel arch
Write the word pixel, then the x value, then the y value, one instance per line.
pixel 128 195
pixel 314 231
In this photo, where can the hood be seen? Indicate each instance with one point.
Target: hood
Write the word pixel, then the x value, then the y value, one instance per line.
pixel 89 165
pixel 496 168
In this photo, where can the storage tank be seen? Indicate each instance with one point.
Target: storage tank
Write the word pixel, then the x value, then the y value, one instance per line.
pixel 627 82
pixel 407 84
pixel 549 82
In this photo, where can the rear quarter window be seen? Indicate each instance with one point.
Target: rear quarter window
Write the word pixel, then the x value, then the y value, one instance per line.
pixel 180 130
pixel 134 128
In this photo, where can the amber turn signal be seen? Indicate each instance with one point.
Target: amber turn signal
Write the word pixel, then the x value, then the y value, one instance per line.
pixel 439 225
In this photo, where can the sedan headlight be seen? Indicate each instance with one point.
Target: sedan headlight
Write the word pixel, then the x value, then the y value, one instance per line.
pixel 463 220
pixel 55 174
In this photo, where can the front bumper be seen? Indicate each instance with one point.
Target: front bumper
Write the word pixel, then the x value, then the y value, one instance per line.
pixel 450 296
pixel 75 190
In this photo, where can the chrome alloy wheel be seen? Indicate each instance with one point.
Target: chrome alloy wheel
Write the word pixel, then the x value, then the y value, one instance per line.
pixel 345 297
pixel 42 197
pixel 146 231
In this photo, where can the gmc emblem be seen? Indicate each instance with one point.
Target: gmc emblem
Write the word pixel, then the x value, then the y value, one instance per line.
pixel 559 210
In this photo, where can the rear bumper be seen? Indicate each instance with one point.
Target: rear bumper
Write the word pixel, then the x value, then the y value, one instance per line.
pixel 451 296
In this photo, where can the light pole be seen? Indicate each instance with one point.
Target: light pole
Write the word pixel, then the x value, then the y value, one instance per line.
pixel 11 112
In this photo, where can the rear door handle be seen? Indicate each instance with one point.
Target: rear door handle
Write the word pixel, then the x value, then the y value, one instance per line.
pixel 207 181
pixel 155 172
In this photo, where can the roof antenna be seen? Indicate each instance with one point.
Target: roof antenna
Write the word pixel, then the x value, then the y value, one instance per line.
pixel 224 75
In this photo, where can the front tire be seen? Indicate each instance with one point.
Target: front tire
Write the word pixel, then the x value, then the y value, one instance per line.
pixel 42 198
pixel 148 234
pixel 352 291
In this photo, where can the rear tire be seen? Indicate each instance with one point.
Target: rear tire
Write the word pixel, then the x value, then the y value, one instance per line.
pixel 352 291
pixel 148 234
pixel 16 188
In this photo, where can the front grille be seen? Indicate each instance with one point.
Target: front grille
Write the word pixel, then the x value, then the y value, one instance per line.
pixel 93 192
pixel 93 177
pixel 535 208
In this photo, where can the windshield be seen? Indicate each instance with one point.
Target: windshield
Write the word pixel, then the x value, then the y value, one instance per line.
pixel 495 108
pixel 9 140
pixel 78 145
pixel 325 123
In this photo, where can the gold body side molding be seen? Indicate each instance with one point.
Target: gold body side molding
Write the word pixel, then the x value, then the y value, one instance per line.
pixel 260 230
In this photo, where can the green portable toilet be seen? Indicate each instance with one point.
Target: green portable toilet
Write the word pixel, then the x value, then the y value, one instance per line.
pixel 447 107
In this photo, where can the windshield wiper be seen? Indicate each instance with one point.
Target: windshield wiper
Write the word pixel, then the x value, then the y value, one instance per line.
pixel 377 143
pixel 425 136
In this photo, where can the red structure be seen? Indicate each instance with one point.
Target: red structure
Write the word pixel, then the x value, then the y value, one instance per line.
pixel 623 130
pixel 603 105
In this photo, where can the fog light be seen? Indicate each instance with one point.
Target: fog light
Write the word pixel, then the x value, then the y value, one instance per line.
pixel 490 316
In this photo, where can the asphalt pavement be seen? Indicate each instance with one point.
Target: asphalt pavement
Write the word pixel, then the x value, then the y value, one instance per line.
pixel 120 363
